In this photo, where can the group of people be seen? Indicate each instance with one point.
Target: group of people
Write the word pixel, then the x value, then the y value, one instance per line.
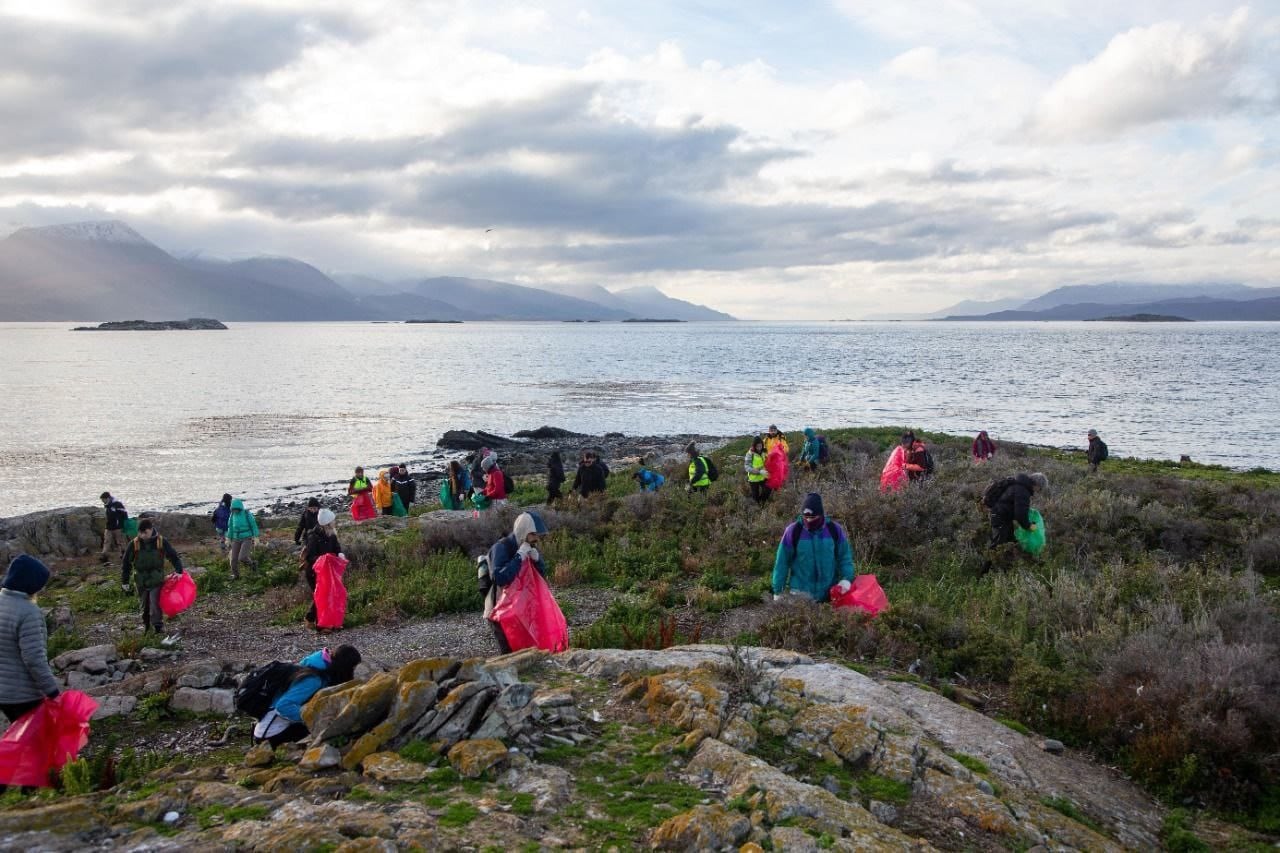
pixel 391 493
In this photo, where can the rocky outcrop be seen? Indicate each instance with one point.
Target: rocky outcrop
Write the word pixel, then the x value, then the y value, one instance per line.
pixel 460 439
pixel 200 324
pixel 77 531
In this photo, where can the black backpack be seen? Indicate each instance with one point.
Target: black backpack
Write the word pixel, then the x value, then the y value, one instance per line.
pixel 995 490
pixel 1102 445
pixel 261 687
pixel 824 450
pixel 713 473
pixel 929 465
pixel 508 484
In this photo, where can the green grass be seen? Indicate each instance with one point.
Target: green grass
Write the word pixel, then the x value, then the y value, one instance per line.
pixel 1015 725
pixel 1069 809
pixel 969 762
pixel 459 814
pixel 219 814
pixel 882 788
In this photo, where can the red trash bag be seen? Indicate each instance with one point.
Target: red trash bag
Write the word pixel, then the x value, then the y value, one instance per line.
pixel 776 468
pixel 41 741
pixel 529 615
pixel 177 594
pixel 362 507
pixel 865 595
pixel 894 475
pixel 331 594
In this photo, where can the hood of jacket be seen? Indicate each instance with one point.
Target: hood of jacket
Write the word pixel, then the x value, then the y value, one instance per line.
pixel 810 432
pixel 237 504
pixel 526 523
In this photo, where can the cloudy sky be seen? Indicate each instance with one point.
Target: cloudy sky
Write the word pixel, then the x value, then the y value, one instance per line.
pixel 821 159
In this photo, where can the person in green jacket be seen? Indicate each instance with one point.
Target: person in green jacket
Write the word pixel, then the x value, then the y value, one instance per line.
pixel 810 451
pixel 813 556
pixel 753 465
pixel 242 535
pixel 144 560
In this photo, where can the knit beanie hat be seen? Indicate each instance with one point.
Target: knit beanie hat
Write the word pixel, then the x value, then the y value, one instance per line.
pixel 26 574
pixel 1040 480
pixel 813 503
pixel 488 462
pixel 313 502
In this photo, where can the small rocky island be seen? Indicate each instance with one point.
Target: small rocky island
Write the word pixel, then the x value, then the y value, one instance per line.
pixel 429 322
pixel 194 324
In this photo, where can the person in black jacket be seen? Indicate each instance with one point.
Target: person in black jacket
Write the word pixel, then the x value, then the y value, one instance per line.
pixel 323 539
pixel 307 521
pixel 591 476
pixel 1097 453
pixel 404 485
pixel 113 539
pixel 555 476
pixel 1012 505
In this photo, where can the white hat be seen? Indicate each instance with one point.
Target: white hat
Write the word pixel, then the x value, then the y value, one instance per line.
pixel 325 517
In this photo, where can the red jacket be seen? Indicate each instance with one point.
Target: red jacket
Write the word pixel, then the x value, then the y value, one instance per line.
pixel 495 485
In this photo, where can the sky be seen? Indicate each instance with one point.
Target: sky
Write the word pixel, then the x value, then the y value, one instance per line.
pixel 807 160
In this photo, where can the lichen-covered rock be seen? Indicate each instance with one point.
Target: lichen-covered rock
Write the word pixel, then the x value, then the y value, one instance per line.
pixel 390 767
pixel 428 669
pixel 471 758
pixel 364 707
pixel 73 815
pixel 328 702
pixel 702 828
pixel 259 756
pixel 412 699
pixel 550 786
pixel 320 757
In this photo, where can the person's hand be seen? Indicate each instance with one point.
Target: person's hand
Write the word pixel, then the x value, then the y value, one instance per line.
pixel 524 549
pixel 844 587
pixel 1032 527
pixel 54 695
pixel 256 541
pixel 534 555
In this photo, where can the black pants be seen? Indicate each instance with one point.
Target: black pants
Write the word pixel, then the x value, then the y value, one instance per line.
pixel 14 710
pixel 311 582
pixel 553 494
pixel 759 491
pixel 295 732
pixel 504 648
pixel 1001 530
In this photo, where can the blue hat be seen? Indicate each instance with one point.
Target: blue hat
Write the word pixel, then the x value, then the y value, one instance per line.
pixel 26 574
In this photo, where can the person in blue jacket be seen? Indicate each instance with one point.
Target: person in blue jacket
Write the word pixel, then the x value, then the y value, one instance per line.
pixel 809 453
pixel 648 480
pixel 502 566
pixel 813 556
pixel 221 516
pixel 283 723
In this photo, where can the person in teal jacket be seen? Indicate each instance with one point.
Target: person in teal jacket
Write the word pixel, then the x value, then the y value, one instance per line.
pixel 242 535
pixel 814 555
pixel 283 723
pixel 809 453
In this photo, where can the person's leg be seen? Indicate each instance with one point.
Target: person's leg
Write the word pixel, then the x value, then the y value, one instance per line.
pixel 152 603
pixel 504 648
pixel 235 557
pixel 311 582
pixel 295 732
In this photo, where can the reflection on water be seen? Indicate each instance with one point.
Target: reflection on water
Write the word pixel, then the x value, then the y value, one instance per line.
pixel 162 419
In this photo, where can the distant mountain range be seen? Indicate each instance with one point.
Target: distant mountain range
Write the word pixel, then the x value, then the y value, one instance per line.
pixel 107 271
pixel 1206 301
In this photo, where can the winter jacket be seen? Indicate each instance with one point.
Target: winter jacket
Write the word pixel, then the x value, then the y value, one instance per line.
pixel 650 480
pixel 318 544
pixel 289 703
pixel 699 473
pixel 555 475
pixel 812 561
pixel 811 449
pixel 918 462
pixel 1097 450
pixel 221 516
pixel 780 439
pixel 306 523
pixel 241 524
pixel 406 487
pixel 382 490
pixel 590 478
pixel 495 485
pixel 116 514
pixel 144 560
pixel 983 447
pixel 505 561
pixel 24 641
pixel 1014 501
pixel 753 464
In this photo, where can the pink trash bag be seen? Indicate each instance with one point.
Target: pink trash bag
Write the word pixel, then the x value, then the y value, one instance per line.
pixel 529 615
pixel 894 476
pixel 41 741
pixel 177 594
pixel 776 468
pixel 362 508
pixel 331 594
pixel 865 595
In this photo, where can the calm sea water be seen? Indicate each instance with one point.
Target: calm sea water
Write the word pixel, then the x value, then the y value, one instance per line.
pixel 168 419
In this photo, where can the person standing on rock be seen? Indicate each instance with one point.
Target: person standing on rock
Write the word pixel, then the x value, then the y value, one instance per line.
pixel 502 565
pixel 318 670
pixel 813 556
pixel 242 535
pixel 143 564
pixel 453 489
pixel 113 539
pixel 382 492
pixel 323 539
pixel 591 476
pixel 477 467
pixel 359 484
pixel 221 515
pixel 25 677
pixel 555 476
pixel 307 521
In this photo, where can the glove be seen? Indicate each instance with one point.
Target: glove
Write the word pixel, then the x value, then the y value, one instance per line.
pixel 126 589
pixel 524 549
pixel 342 556
pixel 844 587
pixel 534 555
pixel 1032 527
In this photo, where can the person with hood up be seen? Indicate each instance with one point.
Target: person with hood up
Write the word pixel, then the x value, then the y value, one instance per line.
pixel 307 521
pixel 321 540
pixel 591 476
pixel 221 515
pixel 1097 452
pixel 502 565
pixel 699 469
pixel 25 677
pixel 318 670
pixel 382 492
pixel 753 465
pixel 813 556
pixel 113 538
pixel 984 449
pixel 1011 504
pixel 242 535
pixel 453 488
pixel 810 451
pixel 774 438
pixel 495 485
pixel 143 564
pixel 555 476
pixel 648 479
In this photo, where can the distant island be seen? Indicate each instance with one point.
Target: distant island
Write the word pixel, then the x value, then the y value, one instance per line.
pixel 198 324
pixel 421 322
pixel 650 320
pixel 1143 318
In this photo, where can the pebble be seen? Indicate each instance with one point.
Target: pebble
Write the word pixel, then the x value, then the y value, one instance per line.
pixel 172 817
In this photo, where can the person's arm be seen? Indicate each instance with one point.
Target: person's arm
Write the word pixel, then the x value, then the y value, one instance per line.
pixel 1021 504
pixel 782 564
pixel 172 554
pixel 577 480
pixel 504 564
pixel 33 646
pixel 290 703
pixel 253 523
pixel 126 571
pixel 297 533
pixel 844 558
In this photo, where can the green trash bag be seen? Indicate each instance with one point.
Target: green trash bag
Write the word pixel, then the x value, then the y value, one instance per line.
pixel 1032 541
pixel 397 507
pixel 130 528
pixel 480 501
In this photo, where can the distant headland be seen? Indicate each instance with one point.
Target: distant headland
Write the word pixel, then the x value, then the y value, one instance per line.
pixel 1143 318
pixel 199 324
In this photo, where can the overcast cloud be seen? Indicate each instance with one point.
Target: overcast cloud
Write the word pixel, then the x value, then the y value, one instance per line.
pixel 841 158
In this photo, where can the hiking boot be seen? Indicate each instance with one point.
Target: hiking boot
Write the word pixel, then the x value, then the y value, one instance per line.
pixel 171 640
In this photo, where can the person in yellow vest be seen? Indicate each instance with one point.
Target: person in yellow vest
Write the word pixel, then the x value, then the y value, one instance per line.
pixel 753 465
pixel 773 437
pixel 701 469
